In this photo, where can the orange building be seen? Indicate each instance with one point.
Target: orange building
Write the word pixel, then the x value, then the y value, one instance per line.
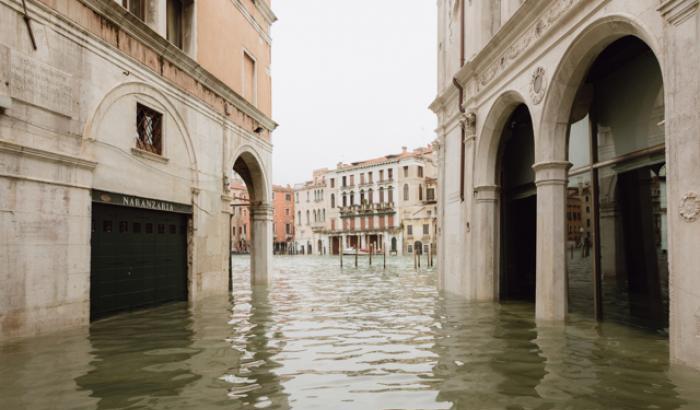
pixel 283 225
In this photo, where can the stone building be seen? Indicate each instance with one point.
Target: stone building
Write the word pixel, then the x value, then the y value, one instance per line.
pixel 120 124
pixel 374 202
pixel 283 225
pixel 568 152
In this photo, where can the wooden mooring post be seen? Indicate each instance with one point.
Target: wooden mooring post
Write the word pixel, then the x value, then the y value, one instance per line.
pixel 357 250
pixel 371 246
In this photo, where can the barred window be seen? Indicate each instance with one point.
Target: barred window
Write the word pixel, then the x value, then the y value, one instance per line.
pixel 149 124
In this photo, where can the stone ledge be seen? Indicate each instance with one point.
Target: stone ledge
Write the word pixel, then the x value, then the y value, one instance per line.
pixel 149 155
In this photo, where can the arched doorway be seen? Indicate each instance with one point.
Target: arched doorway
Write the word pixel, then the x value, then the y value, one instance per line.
pixel 393 246
pixel 256 210
pixel 617 264
pixel 518 208
pixel 418 247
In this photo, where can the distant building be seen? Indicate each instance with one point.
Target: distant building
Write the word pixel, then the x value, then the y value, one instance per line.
pixel 240 218
pixel 283 220
pixel 386 202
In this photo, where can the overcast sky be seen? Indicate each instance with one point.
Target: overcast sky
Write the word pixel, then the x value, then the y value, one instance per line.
pixel 352 80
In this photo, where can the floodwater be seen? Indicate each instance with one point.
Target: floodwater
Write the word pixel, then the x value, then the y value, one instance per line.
pixel 325 338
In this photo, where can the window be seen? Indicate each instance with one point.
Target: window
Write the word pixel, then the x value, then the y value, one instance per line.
pixel 299 217
pixel 288 229
pixel 352 198
pixel 405 171
pixel 345 200
pixel 245 229
pixel 345 182
pixel 332 200
pixel 390 173
pixel 420 172
pixel 296 197
pixel 352 180
pixel 362 197
pixel 307 195
pixel 362 178
pixel 286 211
pixel 308 217
pixel 430 194
pixel 135 7
pixel 381 195
pixel 426 229
pixel 405 192
pixel 123 226
pixel 420 192
pixel 287 197
pixel 249 77
pixel 410 248
pixel 409 229
pixel 369 177
pixel 381 175
pixel 391 195
pixel 149 125
pixel 332 182
pixel 370 196
pixel 175 17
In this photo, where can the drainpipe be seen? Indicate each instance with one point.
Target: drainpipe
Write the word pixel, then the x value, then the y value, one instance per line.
pixel 461 102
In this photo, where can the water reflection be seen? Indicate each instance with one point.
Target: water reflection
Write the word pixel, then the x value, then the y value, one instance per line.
pixel 321 337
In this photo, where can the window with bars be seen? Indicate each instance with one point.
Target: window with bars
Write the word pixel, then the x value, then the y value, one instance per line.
pixel 149 126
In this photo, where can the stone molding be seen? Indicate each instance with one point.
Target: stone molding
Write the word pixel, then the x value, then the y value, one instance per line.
pixel 18 149
pixel 551 172
pixel 262 212
pixel 677 11
pixel 267 15
pixel 487 193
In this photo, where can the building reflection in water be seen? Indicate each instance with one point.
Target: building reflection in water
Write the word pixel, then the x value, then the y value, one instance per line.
pixel 498 357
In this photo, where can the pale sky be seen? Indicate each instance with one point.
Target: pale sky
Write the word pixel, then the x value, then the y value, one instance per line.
pixel 352 80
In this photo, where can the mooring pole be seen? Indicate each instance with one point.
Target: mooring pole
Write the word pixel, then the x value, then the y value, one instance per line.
pixel 370 253
pixel 340 251
pixel 384 256
pixel 357 250
pixel 415 263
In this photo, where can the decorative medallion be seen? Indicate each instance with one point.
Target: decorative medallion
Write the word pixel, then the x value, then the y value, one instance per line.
pixel 538 85
pixel 690 207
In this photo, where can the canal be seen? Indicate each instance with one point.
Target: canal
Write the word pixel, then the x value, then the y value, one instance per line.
pixel 325 338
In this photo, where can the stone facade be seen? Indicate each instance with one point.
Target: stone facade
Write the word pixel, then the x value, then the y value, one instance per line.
pixel 551 71
pixel 71 85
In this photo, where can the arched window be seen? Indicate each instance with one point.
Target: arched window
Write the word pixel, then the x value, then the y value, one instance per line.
pixel 315 216
pixel 299 218
pixel 381 195
pixel 332 200
pixel 362 197
pixel 420 192
pixel 391 195
pixel 345 200
pixel 308 217
pixel 352 198
pixel 370 196
pixel 405 192
pixel 324 216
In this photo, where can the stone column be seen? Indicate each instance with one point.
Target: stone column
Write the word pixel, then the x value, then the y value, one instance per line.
pixel 485 242
pixel 550 291
pixel 261 237
pixel 468 279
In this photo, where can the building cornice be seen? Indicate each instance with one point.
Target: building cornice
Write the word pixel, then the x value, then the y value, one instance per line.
pixel 117 15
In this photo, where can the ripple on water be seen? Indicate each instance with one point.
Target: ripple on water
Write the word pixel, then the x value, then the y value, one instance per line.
pixel 325 338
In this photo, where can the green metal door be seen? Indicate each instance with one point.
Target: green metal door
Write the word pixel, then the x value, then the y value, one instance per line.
pixel 139 259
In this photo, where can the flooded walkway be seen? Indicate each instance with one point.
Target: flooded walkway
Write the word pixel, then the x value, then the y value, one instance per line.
pixel 322 338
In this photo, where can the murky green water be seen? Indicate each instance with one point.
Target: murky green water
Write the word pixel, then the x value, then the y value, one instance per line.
pixel 362 338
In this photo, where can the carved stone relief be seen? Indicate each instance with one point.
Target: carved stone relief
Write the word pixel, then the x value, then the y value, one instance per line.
pixel 689 207
pixel 538 85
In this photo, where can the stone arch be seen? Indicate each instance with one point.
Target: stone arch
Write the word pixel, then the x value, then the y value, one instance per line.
pixel 248 163
pixel 485 172
pixel 144 89
pixel 551 142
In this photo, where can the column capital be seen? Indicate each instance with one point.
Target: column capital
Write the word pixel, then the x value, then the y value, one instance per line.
pixel 261 211
pixel 551 172
pixel 486 193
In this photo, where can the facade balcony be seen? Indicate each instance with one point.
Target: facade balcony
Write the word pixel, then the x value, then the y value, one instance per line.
pixel 386 181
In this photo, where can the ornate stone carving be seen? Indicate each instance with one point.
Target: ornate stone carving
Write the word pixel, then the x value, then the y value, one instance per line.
pixel 534 32
pixel 689 207
pixel 538 85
